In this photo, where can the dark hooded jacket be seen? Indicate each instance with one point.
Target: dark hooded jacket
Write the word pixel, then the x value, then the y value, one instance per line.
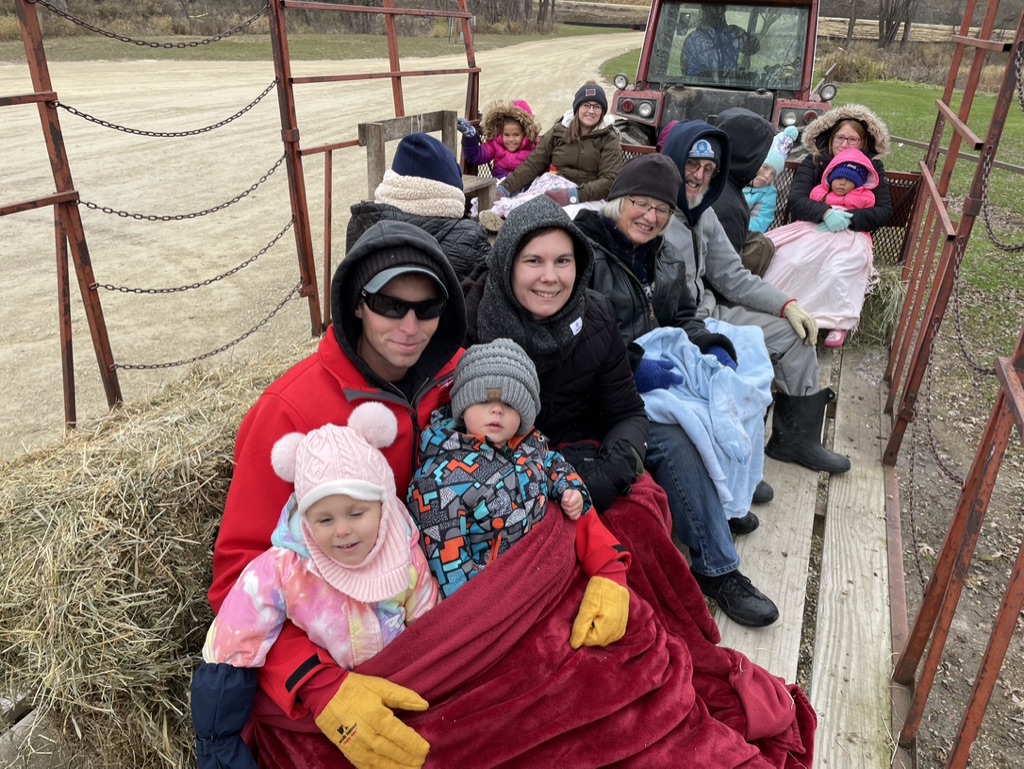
pixel 463 241
pixel 751 136
pixel 713 268
pixel 817 141
pixel 587 390
pixel 613 276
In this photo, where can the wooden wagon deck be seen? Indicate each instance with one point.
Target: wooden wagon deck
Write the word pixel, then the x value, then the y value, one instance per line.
pixel 822 553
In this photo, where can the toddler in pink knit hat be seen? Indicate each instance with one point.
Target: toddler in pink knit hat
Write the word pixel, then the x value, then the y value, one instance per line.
pixel 346 565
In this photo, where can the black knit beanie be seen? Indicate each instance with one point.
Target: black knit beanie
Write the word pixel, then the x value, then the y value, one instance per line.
pixel 590 91
pixel 653 176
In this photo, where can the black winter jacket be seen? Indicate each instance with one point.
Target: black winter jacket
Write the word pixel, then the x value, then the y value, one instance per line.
pixel 613 277
pixel 592 396
pixel 817 140
pixel 808 176
pixel 751 137
pixel 463 241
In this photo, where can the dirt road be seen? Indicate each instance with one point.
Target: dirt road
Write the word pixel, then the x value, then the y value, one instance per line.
pixel 168 176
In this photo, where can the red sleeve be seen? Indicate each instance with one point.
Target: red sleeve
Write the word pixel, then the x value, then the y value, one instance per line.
pixel 253 507
pixel 600 554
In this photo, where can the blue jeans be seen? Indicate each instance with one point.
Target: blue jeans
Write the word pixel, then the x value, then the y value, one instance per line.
pixel 697 512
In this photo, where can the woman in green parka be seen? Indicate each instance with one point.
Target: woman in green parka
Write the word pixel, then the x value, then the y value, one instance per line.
pixel 575 162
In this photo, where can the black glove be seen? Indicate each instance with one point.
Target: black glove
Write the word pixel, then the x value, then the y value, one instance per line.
pixel 608 472
pixel 222 697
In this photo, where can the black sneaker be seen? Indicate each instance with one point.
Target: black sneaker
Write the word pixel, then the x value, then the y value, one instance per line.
pixel 744 525
pixel 763 494
pixel 739 599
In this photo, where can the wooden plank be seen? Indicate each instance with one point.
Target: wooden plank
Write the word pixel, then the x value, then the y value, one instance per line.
pixel 776 558
pixel 852 660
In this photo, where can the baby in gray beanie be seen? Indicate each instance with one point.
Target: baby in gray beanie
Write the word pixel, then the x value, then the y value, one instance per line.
pixel 496 395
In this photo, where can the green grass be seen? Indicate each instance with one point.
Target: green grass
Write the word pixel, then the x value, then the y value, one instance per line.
pixel 302 47
pixel 627 63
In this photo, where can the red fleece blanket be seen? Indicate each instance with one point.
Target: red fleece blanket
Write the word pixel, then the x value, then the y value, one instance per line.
pixel 506 690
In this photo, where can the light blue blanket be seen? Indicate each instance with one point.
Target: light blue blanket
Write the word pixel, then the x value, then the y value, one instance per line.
pixel 721 410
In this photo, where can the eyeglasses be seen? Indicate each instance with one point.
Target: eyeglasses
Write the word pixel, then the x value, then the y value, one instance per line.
pixel 590 106
pixel 662 212
pixel 709 167
pixel 846 140
pixel 396 309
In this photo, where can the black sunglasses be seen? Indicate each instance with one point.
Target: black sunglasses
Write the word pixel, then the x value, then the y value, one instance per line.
pixel 396 309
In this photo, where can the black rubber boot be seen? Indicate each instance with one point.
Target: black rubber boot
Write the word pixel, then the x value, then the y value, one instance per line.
pixel 796 432
pixel 763 494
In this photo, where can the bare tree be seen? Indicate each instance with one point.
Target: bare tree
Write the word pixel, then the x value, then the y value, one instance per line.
pixel 892 13
pixel 853 22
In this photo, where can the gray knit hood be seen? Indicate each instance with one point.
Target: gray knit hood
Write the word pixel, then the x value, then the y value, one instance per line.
pixel 817 134
pixel 501 315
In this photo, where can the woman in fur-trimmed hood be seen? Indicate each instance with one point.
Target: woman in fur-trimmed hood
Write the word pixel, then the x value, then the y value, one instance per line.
pixel 852 126
pixel 505 150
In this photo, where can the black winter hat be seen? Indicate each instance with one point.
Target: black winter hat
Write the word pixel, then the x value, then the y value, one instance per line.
pixel 706 148
pixel 653 176
pixel 424 156
pixel 590 91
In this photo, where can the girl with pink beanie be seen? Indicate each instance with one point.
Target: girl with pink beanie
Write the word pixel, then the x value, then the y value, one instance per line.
pixel 346 566
pixel 509 135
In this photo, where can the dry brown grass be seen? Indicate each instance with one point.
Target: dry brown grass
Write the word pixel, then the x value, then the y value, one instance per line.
pixel 105 543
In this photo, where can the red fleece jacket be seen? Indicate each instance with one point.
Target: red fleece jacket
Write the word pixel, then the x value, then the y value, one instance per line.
pixel 324 388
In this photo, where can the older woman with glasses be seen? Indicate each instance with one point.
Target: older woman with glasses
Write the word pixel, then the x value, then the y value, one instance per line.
pixel 644 278
pixel 852 126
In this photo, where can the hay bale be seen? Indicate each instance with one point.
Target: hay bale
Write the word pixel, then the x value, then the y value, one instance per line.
pixel 105 558
pixel 882 307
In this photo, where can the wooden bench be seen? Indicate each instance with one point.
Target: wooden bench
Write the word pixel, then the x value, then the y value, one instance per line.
pixel 374 136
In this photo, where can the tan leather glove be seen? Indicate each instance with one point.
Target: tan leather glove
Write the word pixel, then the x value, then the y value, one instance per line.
pixel 603 613
pixel 358 719
pixel 804 325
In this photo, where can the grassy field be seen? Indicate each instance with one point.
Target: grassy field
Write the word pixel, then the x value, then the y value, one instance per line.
pixel 306 47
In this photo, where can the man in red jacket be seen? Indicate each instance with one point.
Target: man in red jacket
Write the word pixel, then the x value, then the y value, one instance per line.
pixel 399 321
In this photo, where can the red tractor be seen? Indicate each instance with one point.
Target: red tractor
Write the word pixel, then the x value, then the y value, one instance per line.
pixel 700 58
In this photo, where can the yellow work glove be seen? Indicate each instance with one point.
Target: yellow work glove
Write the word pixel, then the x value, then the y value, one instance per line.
pixel 804 325
pixel 602 617
pixel 358 719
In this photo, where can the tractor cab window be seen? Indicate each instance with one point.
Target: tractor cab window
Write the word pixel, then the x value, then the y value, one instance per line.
pixel 730 46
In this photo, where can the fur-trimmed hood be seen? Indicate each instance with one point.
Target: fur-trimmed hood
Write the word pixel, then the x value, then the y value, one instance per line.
pixel 816 135
pixel 500 112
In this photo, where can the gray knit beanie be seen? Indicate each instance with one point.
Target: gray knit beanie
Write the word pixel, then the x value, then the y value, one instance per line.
pixel 498 370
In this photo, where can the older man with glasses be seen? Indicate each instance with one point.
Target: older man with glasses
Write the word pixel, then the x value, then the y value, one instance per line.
pixel 725 289
pixel 399 320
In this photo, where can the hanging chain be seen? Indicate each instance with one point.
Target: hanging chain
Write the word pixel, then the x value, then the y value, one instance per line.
pixel 194 44
pixel 183 217
pixel 208 281
pixel 222 348
pixel 932 442
pixel 1007 247
pixel 1020 75
pixel 165 134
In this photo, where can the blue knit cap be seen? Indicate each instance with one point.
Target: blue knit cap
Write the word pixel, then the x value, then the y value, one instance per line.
pixel 424 156
pixel 855 172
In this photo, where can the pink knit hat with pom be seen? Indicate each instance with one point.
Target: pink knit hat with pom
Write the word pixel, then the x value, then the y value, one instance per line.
pixel 346 460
